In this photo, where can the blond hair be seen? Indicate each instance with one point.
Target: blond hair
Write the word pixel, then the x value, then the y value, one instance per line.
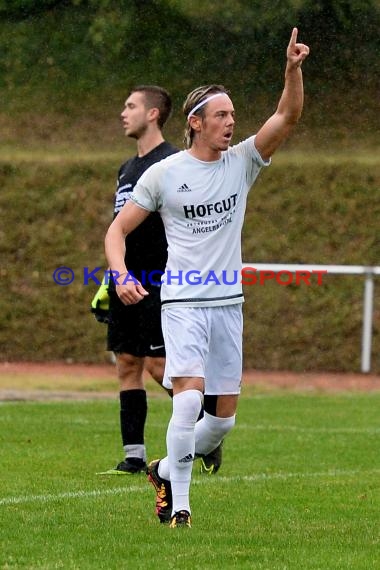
pixel 194 98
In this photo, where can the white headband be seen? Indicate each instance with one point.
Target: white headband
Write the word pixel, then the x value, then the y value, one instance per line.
pixel 199 105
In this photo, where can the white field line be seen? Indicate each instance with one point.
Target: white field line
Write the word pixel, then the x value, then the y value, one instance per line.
pixel 253 427
pixel 284 428
pixel 256 477
pixel 284 476
pixel 300 429
pixel 49 497
pixel 297 429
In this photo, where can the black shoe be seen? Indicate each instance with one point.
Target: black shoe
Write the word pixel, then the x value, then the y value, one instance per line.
pixel 182 518
pixel 163 489
pixel 211 462
pixel 129 466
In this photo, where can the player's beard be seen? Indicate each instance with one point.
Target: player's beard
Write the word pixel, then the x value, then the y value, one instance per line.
pixel 137 132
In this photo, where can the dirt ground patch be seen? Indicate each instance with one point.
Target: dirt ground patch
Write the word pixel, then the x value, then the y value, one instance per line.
pixel 58 380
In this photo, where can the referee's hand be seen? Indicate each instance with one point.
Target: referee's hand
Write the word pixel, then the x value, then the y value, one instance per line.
pixel 131 293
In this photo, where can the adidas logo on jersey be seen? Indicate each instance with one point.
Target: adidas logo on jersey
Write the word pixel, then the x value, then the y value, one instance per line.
pixel 187 459
pixel 184 188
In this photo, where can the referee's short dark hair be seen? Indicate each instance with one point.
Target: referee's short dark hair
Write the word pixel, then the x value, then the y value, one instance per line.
pixel 156 97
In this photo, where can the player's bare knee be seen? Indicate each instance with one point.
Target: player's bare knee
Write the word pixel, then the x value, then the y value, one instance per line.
pixel 129 371
pixel 155 367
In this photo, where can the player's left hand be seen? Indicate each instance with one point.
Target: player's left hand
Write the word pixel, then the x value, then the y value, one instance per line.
pixel 296 52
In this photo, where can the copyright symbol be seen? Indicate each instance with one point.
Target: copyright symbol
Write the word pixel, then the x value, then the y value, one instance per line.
pixel 63 276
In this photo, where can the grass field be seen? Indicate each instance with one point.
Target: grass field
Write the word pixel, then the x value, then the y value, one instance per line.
pixel 298 490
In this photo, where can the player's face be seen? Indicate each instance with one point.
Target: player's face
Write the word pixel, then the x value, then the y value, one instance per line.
pixel 134 115
pixel 218 124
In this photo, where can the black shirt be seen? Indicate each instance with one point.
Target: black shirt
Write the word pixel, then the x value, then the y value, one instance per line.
pixel 146 246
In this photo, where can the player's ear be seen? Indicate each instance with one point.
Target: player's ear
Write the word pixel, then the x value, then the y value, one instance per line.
pixel 153 114
pixel 195 123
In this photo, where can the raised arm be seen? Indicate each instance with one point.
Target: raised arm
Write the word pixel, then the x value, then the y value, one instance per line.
pixel 125 222
pixel 289 109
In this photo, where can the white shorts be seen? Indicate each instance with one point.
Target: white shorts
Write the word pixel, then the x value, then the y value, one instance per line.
pixel 204 342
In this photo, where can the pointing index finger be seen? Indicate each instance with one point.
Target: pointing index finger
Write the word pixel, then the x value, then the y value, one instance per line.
pixel 293 37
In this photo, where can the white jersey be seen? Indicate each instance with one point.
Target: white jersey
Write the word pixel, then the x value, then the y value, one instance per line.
pixel 202 205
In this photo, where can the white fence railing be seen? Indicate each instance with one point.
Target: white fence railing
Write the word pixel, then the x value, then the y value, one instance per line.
pixel 369 274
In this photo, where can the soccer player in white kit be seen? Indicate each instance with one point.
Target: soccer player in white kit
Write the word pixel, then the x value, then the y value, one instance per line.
pixel 201 195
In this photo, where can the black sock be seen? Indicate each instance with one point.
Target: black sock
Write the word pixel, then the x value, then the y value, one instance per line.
pixel 201 414
pixel 133 412
pixel 210 404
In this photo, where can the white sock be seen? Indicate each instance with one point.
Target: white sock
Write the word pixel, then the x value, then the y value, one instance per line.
pixel 163 468
pixel 210 431
pixel 180 443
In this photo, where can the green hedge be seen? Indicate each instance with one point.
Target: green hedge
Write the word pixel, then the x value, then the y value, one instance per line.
pixel 305 209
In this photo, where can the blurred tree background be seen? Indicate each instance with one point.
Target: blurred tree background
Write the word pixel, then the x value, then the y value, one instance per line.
pixel 72 58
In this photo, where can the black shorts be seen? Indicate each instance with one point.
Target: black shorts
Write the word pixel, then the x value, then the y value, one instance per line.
pixel 136 329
